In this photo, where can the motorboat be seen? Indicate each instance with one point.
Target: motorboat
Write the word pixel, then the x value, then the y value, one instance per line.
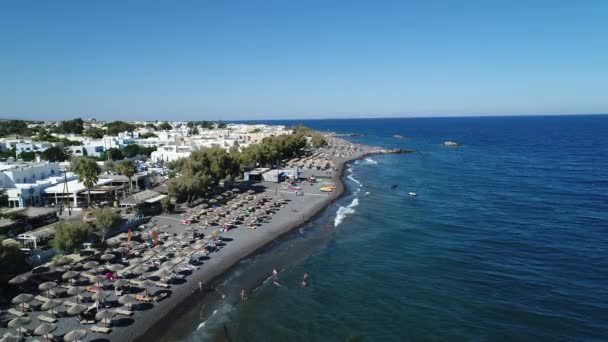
pixel 412 194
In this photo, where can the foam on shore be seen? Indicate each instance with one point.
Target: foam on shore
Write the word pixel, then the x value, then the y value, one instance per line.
pixel 345 211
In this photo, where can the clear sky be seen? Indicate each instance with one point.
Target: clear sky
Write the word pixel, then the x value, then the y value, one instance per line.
pixel 297 59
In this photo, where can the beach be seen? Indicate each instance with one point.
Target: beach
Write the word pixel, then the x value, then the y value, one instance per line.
pixel 298 208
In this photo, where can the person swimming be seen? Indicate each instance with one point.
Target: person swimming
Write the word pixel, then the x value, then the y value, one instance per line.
pixel 394 186
pixel 243 295
pixel 304 283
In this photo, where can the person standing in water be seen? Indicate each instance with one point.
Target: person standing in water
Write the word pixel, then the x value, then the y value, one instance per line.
pixel 243 295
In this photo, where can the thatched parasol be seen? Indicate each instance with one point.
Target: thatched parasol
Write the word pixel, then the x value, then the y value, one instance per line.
pixel 18 280
pixel 18 323
pixel 22 299
pixel 76 309
pixel 47 286
pixel 70 275
pixel 98 279
pixel 100 296
pixel 105 315
pixel 8 337
pixel 127 300
pixel 108 257
pixel 51 305
pixel 45 329
pixel 115 267
pixel 163 272
pixel 90 265
pixel 75 335
pixel 64 260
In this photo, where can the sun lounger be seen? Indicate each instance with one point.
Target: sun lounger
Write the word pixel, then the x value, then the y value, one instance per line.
pixel 84 321
pixel 16 312
pixel 47 319
pixel 123 312
pixel 69 303
pixel 99 329
pixel 143 298
pixel 160 284
pixel 41 298
pixel 160 297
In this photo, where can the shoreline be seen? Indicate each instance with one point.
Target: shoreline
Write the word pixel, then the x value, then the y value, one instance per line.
pixel 156 324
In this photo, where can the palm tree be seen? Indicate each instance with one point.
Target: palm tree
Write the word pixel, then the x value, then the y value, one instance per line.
pixel 127 168
pixel 89 171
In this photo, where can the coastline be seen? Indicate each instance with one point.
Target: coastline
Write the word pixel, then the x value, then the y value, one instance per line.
pixel 155 324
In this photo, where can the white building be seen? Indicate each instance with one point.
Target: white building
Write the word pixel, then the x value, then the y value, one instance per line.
pixel 172 152
pixel 24 183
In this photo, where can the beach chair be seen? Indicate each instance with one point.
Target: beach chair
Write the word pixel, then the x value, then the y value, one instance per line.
pixel 160 297
pixel 16 312
pixel 47 319
pixel 99 329
pixel 123 312
pixel 161 284
pixel 69 303
pixel 41 298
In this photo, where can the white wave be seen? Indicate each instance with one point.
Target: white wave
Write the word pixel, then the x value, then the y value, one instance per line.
pixel 371 161
pixel 367 192
pixel 357 162
pixel 353 179
pixel 218 318
pixel 345 211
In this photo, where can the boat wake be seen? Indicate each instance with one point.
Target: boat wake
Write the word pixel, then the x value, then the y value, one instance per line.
pixel 370 161
pixel 345 211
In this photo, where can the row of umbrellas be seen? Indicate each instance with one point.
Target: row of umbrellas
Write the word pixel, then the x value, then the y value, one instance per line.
pixel 45 329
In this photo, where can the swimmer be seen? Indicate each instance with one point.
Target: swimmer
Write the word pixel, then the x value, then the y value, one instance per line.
pixel 243 295
pixel 305 276
pixel 275 272
pixel 304 283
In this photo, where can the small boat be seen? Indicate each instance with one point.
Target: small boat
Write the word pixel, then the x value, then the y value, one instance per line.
pixel 412 194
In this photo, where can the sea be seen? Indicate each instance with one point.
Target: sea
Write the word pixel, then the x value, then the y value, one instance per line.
pixel 505 240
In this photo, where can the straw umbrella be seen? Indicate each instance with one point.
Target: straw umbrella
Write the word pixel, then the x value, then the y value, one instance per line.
pixel 134 261
pixel 64 260
pixel 127 300
pixel 108 257
pixel 76 309
pixel 140 270
pixel 8 337
pixel 50 305
pixel 105 315
pixel 122 250
pixel 100 296
pixel 18 280
pixel 18 323
pixel 70 275
pixel 45 329
pixel 75 291
pixel 147 284
pixel 75 335
pixel 90 265
pixel 115 267
pixel 47 286
pixel 163 272
pixel 22 299
pixel 98 279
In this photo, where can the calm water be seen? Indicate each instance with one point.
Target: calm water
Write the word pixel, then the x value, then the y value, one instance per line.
pixel 506 240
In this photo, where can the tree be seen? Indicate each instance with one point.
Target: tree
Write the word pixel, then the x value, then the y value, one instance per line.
pixel 107 220
pixel 168 206
pixel 221 125
pixel 75 126
pixel 128 169
pixel 70 235
pixel 27 156
pixel 130 151
pixel 165 126
pixel 95 133
pixel 56 154
pixel 115 127
pixel 147 135
pixel 114 154
pixel 11 259
pixel 195 131
pixel 89 171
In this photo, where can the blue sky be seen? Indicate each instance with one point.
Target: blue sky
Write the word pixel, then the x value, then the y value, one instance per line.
pixel 301 59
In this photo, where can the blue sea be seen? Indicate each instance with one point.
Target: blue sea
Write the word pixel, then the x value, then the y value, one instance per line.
pixel 506 240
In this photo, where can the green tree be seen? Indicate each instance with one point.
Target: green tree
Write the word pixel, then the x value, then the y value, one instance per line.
pixel 56 154
pixel 107 220
pixel 168 206
pixel 95 133
pixel 194 131
pixel 70 235
pixel 127 168
pixel 147 135
pixel 130 151
pixel 114 154
pixel 75 126
pixel 221 125
pixel 165 126
pixel 116 127
pixel 88 171
pixel 12 261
